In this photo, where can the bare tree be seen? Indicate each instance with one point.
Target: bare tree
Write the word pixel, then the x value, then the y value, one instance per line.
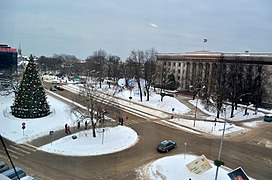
pixel 244 84
pixel 161 77
pixel 234 84
pixel 50 64
pixel 218 95
pixel 149 70
pixel 136 60
pixel 98 63
pixel 113 67
pixel 96 105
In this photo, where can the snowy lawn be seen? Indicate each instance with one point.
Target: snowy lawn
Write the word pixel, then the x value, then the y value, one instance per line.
pixel 108 141
pixel 11 127
pixel 174 167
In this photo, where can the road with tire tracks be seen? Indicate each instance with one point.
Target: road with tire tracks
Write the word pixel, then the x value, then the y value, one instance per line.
pixel 250 150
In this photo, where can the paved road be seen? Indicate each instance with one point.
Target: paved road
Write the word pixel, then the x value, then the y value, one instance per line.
pixel 248 150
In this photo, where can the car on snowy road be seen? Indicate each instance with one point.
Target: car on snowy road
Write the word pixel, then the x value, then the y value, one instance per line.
pixel 59 88
pixel 3 166
pixel 53 89
pixel 166 145
pixel 268 117
pixel 12 174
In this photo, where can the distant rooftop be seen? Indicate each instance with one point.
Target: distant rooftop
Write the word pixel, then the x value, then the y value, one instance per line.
pixel 209 53
pixel 6 48
pixel 245 57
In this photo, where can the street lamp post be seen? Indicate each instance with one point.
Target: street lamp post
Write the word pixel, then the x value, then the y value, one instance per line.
pixel 196 108
pixel 88 75
pixel 197 91
pixel 218 163
pixel 248 105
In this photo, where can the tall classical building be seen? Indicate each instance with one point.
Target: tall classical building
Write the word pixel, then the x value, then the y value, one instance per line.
pixel 8 59
pixel 192 69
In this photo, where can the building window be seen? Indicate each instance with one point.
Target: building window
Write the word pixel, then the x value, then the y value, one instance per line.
pixel 179 71
pixel 178 77
pixel 169 64
pixel 179 64
pixel 164 63
pixel 174 64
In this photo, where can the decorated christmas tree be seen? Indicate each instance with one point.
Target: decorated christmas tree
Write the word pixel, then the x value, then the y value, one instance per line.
pixel 30 98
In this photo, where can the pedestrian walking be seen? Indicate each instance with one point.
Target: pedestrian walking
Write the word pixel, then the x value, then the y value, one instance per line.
pixel 68 129
pixel 122 121
pixel 86 125
pixel 119 121
pixel 78 125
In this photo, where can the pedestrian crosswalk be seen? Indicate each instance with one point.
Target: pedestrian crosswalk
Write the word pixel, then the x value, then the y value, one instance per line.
pixel 134 121
pixel 17 150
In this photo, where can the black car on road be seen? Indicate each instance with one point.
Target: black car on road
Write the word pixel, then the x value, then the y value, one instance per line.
pixel 166 145
pixel 59 88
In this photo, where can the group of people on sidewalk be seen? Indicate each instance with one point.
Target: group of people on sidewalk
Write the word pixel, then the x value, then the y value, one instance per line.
pixel 68 128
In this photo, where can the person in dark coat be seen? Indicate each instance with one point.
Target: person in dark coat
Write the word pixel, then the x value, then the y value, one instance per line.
pixel 86 125
pixel 66 129
pixel 78 125
pixel 119 120
pixel 122 121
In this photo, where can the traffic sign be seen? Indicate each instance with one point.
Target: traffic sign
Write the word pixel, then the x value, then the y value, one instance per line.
pixel 199 165
pixel 122 82
pixel 238 174
pixel 131 83
pixel 23 125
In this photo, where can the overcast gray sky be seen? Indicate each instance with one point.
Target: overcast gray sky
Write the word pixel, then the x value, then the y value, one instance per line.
pixel 80 27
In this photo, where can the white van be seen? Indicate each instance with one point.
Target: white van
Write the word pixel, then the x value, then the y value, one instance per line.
pixel 55 81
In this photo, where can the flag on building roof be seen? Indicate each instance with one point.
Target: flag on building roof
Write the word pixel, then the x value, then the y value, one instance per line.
pixel 205 40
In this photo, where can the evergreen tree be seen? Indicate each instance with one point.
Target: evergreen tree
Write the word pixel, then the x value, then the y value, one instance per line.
pixel 30 99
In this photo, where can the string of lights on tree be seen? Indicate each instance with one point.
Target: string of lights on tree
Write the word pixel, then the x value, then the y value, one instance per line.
pixel 30 98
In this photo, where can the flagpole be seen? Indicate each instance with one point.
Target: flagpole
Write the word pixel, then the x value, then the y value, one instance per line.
pixel 204 41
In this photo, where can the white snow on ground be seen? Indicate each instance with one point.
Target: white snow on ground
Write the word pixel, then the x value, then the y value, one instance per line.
pixel 213 128
pixel 172 167
pixel 238 114
pixel 110 141
pixel 11 127
pixel 166 105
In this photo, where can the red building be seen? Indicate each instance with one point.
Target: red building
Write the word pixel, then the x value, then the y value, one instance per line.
pixel 8 59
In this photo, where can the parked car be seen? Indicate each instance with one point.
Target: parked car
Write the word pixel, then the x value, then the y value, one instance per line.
pixel 53 88
pixel 268 117
pixel 59 88
pixel 3 166
pixel 28 178
pixel 166 145
pixel 12 175
pixel 55 81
